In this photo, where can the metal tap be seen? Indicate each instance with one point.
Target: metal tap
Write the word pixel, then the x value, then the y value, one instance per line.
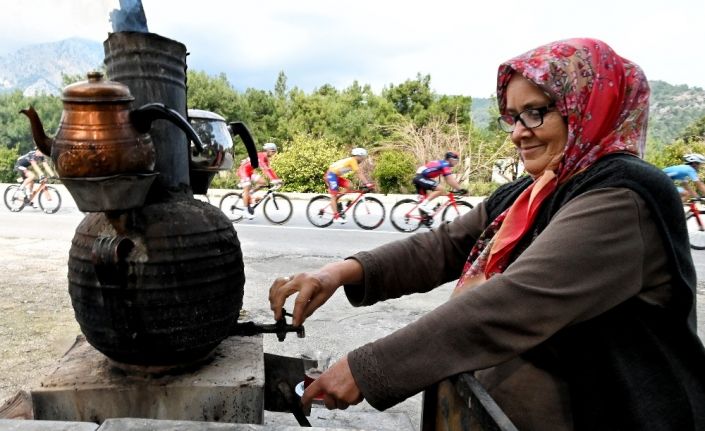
pixel 280 327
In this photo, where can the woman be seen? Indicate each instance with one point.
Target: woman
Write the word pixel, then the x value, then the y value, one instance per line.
pixel 575 305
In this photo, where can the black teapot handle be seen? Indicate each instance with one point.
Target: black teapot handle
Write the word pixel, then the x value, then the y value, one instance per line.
pixel 142 118
pixel 239 128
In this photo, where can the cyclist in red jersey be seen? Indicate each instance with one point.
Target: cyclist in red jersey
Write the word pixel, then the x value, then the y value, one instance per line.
pixel 248 175
pixel 426 175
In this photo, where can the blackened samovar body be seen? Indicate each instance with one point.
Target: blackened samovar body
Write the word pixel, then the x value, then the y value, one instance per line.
pixel 161 283
pixel 171 296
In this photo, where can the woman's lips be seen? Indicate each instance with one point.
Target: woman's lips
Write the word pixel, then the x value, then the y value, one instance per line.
pixel 527 150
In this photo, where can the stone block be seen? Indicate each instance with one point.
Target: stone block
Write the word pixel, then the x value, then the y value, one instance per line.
pixel 165 425
pixel 28 425
pixel 87 386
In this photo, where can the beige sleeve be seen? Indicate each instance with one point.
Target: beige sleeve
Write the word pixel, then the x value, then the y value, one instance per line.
pixel 588 259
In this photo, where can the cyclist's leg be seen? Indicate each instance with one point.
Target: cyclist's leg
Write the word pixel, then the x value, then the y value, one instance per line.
pixel 420 189
pixel 246 186
pixel 334 187
pixel 684 193
pixel 259 181
pixel 344 186
pixel 245 174
pixel 27 177
pixel 432 192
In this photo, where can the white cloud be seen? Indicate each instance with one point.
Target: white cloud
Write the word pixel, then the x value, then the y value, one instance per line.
pixel 459 43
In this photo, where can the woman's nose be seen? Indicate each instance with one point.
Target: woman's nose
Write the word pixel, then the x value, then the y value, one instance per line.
pixel 520 131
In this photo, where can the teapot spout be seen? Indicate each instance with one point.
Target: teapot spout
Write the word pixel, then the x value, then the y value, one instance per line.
pixel 43 142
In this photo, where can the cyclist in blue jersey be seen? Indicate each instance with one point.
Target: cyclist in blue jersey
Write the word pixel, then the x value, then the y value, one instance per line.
pixel 426 178
pixel 683 174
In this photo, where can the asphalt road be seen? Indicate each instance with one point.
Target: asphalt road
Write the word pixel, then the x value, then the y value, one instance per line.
pixel 269 250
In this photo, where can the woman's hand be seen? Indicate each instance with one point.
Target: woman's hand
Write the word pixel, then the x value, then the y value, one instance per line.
pixel 313 289
pixel 336 386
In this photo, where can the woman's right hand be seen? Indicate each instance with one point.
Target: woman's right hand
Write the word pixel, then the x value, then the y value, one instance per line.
pixel 314 288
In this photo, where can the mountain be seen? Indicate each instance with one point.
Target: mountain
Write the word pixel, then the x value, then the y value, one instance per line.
pixel 37 69
pixel 673 108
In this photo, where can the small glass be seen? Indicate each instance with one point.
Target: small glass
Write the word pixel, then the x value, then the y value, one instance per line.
pixel 315 363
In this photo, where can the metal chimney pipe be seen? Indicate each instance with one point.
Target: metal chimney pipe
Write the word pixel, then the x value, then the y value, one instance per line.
pixel 154 68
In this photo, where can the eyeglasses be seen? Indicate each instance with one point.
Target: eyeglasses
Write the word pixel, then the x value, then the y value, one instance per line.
pixel 530 118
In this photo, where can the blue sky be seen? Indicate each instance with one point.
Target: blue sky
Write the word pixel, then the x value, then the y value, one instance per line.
pixel 459 43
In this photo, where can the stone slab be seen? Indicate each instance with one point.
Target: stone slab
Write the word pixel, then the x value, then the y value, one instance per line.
pixel 87 386
pixel 351 418
pixel 25 425
pixel 128 424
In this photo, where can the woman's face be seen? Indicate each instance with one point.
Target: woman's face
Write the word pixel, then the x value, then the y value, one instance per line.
pixel 542 146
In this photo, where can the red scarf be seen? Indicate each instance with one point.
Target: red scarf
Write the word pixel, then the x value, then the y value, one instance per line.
pixel 605 99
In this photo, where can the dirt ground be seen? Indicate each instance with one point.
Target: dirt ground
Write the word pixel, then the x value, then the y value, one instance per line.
pixel 37 324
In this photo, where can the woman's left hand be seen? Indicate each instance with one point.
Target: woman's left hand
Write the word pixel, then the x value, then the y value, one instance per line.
pixel 336 386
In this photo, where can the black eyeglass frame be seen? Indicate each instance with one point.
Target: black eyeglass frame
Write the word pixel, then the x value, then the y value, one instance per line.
pixel 542 111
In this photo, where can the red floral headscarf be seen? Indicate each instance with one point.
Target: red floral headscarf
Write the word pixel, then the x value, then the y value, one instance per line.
pixel 605 101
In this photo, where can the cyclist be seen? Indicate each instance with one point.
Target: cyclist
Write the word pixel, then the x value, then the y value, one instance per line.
pixel 248 175
pixel 426 175
pixel 23 165
pixel 681 174
pixel 337 184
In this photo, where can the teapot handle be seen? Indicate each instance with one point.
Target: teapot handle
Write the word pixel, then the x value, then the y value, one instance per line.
pixel 143 117
pixel 239 128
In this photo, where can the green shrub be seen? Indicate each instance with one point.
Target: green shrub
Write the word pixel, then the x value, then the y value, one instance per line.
pixel 481 188
pixel 304 161
pixel 394 171
pixel 673 153
pixel 8 157
pixel 225 180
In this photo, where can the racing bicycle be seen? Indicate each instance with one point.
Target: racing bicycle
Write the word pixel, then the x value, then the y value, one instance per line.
pixel 277 207
pixel 407 217
pixel 48 197
pixel 367 211
pixel 695 221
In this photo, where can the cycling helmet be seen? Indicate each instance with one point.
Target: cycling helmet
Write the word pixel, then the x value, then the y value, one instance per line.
pixel 694 158
pixel 359 152
pixel 452 155
pixel 269 146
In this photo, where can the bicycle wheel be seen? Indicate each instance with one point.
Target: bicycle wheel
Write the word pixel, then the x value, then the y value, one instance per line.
pixel 405 215
pixel 14 198
pixel 232 206
pixel 278 208
pixel 368 213
pixel 696 231
pixel 319 212
pixel 49 200
pixel 452 212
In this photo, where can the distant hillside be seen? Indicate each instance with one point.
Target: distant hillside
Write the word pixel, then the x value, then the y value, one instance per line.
pixel 673 108
pixel 37 69
pixel 480 110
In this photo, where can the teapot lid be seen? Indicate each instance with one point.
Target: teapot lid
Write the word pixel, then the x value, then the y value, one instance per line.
pixel 97 90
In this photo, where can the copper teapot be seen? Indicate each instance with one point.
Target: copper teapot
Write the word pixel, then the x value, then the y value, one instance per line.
pixel 99 134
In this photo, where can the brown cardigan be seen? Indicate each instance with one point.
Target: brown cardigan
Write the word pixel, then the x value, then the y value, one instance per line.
pixel 554 283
